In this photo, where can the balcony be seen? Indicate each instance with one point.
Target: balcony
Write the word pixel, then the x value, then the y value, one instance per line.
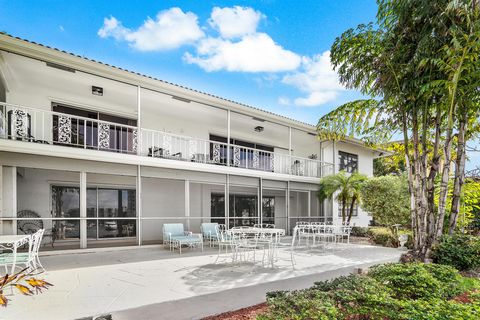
pixel 48 127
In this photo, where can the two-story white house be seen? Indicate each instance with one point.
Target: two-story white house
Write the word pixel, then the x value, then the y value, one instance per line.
pixel 101 156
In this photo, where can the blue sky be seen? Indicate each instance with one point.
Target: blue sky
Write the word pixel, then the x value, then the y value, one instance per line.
pixel 269 54
pixel 305 29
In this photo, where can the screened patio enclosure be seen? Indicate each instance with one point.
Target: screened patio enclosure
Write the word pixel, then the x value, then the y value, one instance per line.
pixel 84 206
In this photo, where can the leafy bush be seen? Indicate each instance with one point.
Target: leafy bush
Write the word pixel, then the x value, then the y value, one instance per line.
pixel 391 291
pixel 387 199
pixel 359 232
pixel 383 237
pixel 418 281
pixel 460 251
pixel 301 304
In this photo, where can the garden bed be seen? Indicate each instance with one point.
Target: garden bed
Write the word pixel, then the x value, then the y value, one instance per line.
pixel 249 313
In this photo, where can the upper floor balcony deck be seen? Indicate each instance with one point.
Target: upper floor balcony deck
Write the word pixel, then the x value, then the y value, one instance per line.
pixel 26 124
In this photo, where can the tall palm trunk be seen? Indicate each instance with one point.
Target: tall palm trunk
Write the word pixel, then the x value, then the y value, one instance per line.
pixel 459 175
pixel 352 206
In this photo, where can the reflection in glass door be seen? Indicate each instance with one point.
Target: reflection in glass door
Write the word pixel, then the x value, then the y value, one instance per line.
pixel 243 209
pixel 111 203
pixel 268 210
pixel 66 204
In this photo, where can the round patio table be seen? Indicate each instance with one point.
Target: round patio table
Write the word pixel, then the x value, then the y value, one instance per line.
pixel 11 243
pixel 253 230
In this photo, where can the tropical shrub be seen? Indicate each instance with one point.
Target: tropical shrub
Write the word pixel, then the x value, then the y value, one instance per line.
pixel 359 232
pixel 383 237
pixel 461 251
pixel 391 291
pixel 418 281
pixel 386 198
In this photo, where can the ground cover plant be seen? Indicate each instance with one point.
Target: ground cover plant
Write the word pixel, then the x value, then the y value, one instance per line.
pixel 392 291
pixel 460 251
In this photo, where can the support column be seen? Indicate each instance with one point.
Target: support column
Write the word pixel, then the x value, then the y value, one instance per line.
pixel 228 136
pixel 260 201
pixel 287 203
pixel 309 203
pixel 83 209
pixel 334 203
pixel 227 200
pixel 320 154
pixel 187 203
pixel 290 150
pixel 139 117
pixel 8 199
pixel 139 205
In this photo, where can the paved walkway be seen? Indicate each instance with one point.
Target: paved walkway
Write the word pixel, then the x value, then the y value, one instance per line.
pixel 153 283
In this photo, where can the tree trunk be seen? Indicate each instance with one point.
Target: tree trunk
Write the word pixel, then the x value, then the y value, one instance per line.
pixel 459 175
pixel 409 167
pixel 430 184
pixel 419 190
pixel 352 205
pixel 344 204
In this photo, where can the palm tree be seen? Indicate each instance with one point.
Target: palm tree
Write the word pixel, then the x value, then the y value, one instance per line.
pixel 347 190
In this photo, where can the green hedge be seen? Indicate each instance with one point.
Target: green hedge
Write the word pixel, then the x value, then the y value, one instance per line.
pixel 382 236
pixel 391 291
pixel 460 251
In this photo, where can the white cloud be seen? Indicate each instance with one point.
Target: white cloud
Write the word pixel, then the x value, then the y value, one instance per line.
pixel 284 101
pixel 317 79
pixel 235 22
pixel 252 53
pixel 316 98
pixel 171 29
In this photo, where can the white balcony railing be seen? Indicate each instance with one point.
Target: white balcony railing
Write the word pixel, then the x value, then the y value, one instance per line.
pixel 48 127
pixel 171 146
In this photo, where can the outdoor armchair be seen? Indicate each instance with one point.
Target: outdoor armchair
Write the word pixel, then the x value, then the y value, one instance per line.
pixel 210 232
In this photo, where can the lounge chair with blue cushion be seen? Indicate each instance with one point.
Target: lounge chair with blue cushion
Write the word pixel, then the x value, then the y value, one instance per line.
pixel 210 232
pixel 175 236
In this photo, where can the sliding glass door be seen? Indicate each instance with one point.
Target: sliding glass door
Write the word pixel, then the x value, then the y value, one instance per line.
pixel 111 212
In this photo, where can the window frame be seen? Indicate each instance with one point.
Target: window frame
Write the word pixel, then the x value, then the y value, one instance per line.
pixel 348 167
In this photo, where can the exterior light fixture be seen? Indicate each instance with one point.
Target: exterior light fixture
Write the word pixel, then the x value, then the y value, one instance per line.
pixel 181 99
pixel 98 91
pixel 258 128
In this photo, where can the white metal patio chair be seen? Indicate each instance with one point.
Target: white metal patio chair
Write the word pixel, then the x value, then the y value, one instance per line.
pixel 29 259
pixel 324 234
pixel 343 232
pixel 225 242
pixel 307 233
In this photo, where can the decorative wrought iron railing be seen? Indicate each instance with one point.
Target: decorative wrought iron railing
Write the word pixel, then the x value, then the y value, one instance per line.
pixel 49 127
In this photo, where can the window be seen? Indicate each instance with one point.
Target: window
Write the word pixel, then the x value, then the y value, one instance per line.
pixel 268 210
pixel 347 210
pixel 101 203
pixel 348 162
pixel 84 132
pixel 246 153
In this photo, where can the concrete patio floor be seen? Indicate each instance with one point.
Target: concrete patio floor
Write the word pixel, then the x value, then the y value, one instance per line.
pixel 153 283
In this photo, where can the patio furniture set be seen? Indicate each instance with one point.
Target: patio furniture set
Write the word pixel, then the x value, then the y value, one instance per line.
pixel 11 258
pixel 322 233
pixel 242 244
